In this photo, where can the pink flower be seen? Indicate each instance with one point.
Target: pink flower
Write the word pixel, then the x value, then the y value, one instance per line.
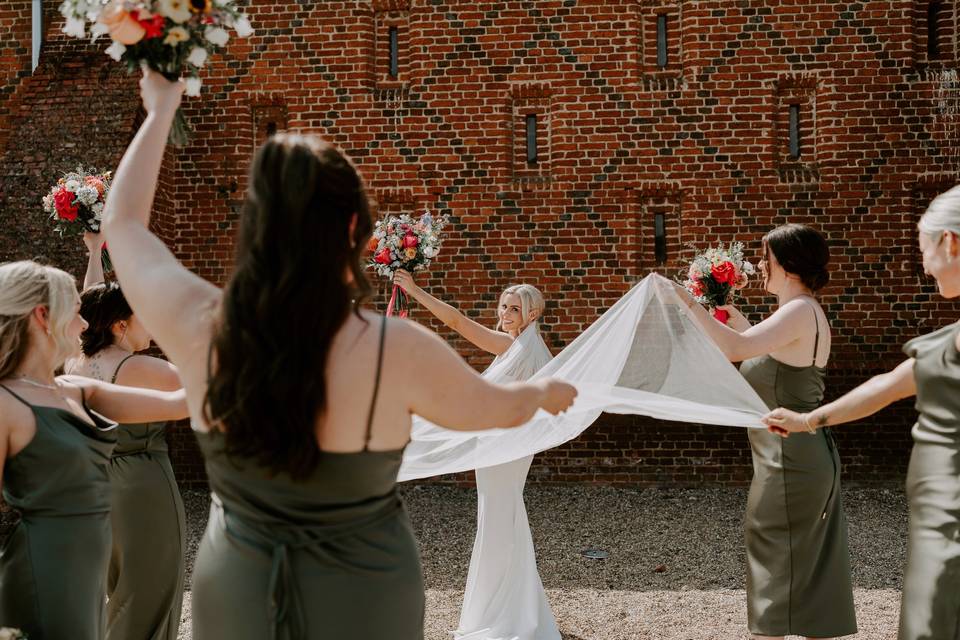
pixel 410 241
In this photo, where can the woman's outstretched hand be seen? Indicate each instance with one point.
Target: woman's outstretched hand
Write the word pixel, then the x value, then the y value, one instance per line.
pixel 783 422
pixel 558 396
pixel 404 280
pixel 160 96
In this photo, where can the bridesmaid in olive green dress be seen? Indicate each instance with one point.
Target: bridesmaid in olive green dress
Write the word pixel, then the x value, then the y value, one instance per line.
pixel 145 578
pixel 798 563
pixel 304 407
pixel 930 608
pixel 55 445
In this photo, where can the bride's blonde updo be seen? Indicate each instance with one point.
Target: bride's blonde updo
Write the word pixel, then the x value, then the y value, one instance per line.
pixel 531 300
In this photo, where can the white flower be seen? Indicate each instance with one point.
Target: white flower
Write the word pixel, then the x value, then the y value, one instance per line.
pixel 176 10
pixel 217 36
pixel 97 208
pixel 87 195
pixel 98 29
pixel 72 185
pixel 175 36
pixel 48 203
pixel 198 56
pixel 116 50
pixel 193 87
pixel 242 26
pixel 74 27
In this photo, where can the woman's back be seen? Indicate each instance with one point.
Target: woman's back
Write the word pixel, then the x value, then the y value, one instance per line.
pixel 306 556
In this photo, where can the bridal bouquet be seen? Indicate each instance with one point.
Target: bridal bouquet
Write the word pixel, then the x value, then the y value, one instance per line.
pixel 173 37
pixel 400 242
pixel 715 276
pixel 75 203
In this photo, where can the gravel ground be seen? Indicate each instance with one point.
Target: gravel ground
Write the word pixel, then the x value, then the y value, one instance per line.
pixel 675 569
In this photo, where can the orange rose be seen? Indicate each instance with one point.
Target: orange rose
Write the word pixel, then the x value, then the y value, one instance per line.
pixel 122 26
pixel 96 183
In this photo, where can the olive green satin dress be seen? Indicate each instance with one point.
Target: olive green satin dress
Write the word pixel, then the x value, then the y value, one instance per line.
pixel 54 563
pixel 145 579
pixel 330 556
pixel 798 563
pixel 930 608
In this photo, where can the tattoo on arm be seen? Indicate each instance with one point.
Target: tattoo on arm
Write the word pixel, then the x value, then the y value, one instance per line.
pixel 822 421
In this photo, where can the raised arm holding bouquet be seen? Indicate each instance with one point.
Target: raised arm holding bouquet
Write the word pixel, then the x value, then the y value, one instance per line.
pixel 174 37
pixel 75 204
pixel 400 243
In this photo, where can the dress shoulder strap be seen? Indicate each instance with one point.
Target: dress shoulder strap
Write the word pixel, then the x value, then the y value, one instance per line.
pixel 116 372
pixel 816 320
pixel 15 395
pixel 376 383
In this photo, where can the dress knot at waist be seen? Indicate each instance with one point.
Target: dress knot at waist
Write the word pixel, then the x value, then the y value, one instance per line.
pixel 285 611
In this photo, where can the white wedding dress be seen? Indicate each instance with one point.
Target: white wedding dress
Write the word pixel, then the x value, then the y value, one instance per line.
pixel 646 355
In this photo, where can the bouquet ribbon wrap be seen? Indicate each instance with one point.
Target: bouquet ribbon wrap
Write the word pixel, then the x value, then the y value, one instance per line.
pixel 398 302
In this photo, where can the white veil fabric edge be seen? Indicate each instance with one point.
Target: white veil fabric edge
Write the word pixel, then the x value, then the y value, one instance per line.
pixel 646 355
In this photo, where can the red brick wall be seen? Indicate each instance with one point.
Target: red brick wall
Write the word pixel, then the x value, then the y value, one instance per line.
pixel 702 139
pixel 15 55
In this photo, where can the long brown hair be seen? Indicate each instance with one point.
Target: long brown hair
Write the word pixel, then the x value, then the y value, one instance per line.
pixel 286 300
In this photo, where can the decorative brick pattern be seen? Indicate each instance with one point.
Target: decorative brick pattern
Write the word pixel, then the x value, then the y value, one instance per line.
pixel 445 141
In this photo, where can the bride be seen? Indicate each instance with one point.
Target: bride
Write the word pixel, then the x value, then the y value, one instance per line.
pixel 504 596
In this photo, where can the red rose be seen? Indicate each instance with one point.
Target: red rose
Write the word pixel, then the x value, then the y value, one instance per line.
pixel 66 210
pixel 722 315
pixel 153 26
pixel 724 273
pixel 410 241
pixel 695 287
pixel 383 257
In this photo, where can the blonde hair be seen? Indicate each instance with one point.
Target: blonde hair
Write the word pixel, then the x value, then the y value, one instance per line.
pixel 943 214
pixel 531 300
pixel 24 286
